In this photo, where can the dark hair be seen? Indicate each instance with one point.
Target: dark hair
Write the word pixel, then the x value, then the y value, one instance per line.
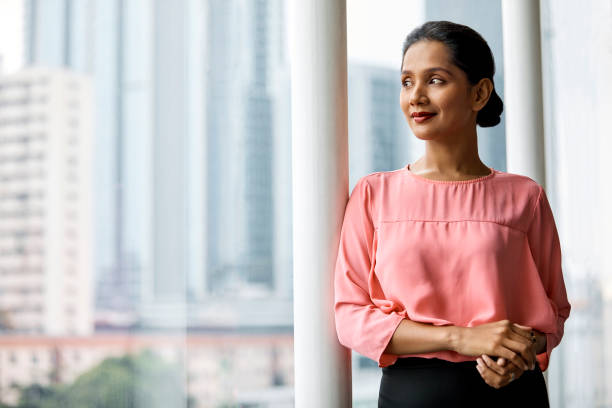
pixel 470 52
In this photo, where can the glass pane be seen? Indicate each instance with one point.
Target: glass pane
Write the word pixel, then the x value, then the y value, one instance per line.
pixel 145 204
pixel 577 60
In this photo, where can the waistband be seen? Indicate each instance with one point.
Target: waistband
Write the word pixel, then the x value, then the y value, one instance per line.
pixel 414 362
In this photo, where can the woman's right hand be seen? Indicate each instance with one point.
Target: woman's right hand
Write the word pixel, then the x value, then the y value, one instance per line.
pixel 502 339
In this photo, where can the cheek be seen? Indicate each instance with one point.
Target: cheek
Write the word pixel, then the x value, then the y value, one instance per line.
pixel 453 104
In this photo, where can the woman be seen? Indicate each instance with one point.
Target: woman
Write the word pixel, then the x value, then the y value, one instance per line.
pixel 449 271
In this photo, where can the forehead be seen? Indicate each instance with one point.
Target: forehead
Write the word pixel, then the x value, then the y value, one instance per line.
pixel 423 55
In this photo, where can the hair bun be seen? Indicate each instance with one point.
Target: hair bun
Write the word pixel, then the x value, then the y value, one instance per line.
pixel 490 114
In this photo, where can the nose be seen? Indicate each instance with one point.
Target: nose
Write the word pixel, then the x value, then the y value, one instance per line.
pixel 418 95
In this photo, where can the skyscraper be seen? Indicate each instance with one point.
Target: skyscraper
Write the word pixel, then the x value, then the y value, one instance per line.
pixel 380 139
pixel 248 134
pixel 192 151
pixel 147 72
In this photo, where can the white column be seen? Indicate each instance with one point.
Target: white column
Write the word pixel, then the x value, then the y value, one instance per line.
pixel 320 193
pixel 525 153
pixel 523 89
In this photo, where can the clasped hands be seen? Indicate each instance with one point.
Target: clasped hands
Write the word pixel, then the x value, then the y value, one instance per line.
pixel 515 345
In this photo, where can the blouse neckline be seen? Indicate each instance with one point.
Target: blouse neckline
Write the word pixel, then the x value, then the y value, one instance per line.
pixel 468 181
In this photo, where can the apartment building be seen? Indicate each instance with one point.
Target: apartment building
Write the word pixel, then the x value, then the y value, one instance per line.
pixel 45 202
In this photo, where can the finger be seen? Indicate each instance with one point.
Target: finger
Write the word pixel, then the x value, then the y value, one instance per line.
pixel 488 375
pixel 524 331
pixel 501 361
pixel 487 371
pixel 494 366
pixel 526 352
pixel 513 357
pixel 523 326
pixel 529 345
pixel 521 336
pixel 511 368
pixel 482 369
pixel 495 379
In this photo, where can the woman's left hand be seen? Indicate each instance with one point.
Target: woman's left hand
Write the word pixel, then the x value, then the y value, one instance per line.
pixel 497 373
pixel 502 372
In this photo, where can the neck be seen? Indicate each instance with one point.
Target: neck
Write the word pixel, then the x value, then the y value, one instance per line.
pixel 452 156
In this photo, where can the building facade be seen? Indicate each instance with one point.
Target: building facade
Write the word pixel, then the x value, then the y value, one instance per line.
pixel 45 202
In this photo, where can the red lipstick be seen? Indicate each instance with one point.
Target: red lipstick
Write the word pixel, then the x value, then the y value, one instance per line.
pixel 420 117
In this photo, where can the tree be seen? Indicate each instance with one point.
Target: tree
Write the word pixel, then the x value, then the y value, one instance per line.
pixel 140 381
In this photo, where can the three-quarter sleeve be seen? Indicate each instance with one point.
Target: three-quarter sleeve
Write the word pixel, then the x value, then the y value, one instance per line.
pixel 546 251
pixel 360 324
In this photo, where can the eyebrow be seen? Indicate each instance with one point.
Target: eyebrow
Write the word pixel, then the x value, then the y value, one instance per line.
pixel 431 70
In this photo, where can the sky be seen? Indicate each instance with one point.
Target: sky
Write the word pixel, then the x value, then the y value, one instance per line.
pixel 381 46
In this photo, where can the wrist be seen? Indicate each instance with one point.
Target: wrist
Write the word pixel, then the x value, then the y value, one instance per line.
pixel 454 336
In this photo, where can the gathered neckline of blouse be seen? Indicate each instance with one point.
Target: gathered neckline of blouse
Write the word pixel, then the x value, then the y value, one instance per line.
pixel 468 181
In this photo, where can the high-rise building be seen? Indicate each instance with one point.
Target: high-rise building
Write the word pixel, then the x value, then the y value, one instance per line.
pixel 146 60
pixel 88 37
pixel 45 202
pixel 193 152
pixel 380 138
pixel 249 151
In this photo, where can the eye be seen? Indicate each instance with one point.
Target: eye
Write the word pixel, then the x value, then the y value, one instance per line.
pixel 407 82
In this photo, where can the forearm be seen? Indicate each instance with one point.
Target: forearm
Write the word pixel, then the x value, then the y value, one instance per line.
pixel 412 337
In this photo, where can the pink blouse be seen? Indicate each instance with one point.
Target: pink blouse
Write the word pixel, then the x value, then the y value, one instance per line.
pixel 460 253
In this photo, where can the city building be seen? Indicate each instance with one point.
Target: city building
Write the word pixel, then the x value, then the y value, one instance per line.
pixel 379 136
pixel 146 62
pixel 45 202
pixel 192 174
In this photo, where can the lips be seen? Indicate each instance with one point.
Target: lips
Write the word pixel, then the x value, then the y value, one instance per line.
pixel 420 117
pixel 419 114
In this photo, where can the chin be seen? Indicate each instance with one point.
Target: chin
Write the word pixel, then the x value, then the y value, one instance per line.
pixel 424 135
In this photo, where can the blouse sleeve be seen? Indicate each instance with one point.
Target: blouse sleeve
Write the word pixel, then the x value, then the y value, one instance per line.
pixel 546 252
pixel 360 324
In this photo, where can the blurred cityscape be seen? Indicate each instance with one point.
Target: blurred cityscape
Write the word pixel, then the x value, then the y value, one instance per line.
pixel 145 205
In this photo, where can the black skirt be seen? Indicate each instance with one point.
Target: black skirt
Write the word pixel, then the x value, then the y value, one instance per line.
pixel 432 382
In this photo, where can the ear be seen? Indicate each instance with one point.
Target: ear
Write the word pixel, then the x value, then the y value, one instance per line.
pixel 481 92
